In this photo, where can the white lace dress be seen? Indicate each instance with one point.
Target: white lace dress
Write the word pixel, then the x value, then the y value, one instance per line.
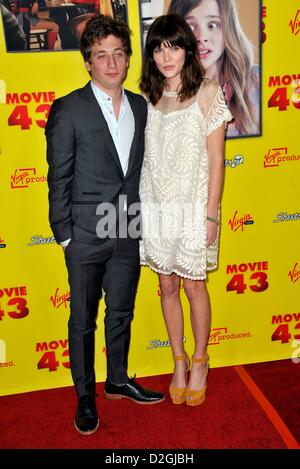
pixel 174 183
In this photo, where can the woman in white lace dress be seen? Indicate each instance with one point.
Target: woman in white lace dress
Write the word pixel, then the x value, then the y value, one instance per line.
pixel 180 189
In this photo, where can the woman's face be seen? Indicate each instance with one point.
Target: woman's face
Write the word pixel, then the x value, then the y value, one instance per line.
pixel 169 61
pixel 206 24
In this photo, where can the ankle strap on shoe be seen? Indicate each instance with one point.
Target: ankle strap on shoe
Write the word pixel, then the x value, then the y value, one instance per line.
pixel 180 357
pixel 200 360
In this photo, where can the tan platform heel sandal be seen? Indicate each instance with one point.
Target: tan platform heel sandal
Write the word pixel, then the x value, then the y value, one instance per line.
pixel 178 394
pixel 197 397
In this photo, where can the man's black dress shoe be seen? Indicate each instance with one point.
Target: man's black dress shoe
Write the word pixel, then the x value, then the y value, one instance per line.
pixel 86 420
pixel 133 391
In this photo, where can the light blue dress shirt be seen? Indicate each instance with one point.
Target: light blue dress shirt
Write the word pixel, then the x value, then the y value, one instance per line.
pixel 121 129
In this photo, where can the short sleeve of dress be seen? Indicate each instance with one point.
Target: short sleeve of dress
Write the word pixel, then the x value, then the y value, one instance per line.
pixel 215 110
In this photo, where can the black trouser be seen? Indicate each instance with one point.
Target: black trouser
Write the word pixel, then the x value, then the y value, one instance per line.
pixel 113 266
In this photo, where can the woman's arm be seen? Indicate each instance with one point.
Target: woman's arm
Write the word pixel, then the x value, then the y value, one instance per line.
pixel 215 149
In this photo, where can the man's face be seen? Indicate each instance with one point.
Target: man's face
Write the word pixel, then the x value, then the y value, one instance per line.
pixel 108 63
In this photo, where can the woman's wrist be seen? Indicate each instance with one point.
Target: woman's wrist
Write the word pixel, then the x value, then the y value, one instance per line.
pixel 213 219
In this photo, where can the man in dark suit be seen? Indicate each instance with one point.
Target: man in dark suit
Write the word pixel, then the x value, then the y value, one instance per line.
pixel 95 145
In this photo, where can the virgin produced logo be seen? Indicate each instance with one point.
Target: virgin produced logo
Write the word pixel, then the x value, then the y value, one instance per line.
pixel 277 156
pixel 294 273
pixel 219 334
pixel 60 299
pixel 294 24
pixel 237 222
pixel 23 177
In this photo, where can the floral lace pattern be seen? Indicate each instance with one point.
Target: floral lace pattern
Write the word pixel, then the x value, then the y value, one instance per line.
pixel 174 185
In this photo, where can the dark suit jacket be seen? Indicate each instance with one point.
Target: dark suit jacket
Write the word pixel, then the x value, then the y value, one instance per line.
pixel 84 167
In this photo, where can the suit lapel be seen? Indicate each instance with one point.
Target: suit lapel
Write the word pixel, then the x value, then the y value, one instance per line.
pixel 136 114
pixel 88 92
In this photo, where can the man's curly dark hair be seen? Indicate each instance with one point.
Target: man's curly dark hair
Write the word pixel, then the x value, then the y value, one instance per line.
pixel 99 28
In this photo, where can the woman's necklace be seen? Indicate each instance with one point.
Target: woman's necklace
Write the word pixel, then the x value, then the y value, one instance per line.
pixel 170 94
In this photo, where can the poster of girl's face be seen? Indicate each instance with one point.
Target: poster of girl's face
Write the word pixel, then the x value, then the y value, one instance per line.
pixel 228 35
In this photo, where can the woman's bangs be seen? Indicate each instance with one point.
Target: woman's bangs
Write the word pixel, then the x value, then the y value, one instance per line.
pixel 168 38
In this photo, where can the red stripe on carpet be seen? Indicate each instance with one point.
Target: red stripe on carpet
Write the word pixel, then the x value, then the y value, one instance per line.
pixel 267 407
pixel 280 382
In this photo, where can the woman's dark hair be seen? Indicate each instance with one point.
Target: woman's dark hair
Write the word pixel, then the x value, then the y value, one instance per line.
pixel 99 28
pixel 171 30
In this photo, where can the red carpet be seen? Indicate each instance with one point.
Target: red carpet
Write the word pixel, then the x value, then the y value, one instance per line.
pixel 231 416
pixel 280 383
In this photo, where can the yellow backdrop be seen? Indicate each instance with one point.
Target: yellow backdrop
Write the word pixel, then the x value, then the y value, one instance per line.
pixel 254 293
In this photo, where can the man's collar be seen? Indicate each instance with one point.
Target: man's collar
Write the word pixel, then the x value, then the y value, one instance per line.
pixel 102 96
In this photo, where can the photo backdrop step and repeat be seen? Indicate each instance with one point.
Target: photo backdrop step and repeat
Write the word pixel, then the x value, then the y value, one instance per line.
pixel 255 291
